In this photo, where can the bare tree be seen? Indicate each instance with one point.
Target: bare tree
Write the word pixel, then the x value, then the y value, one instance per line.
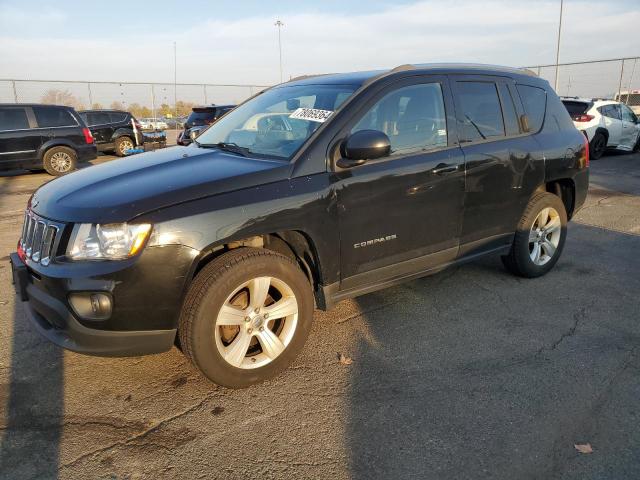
pixel 61 97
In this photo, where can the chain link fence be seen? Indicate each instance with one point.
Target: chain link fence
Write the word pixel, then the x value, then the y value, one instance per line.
pixel 142 99
pixel 593 79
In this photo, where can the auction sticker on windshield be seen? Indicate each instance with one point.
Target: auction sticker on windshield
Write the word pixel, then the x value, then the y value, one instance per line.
pixel 311 114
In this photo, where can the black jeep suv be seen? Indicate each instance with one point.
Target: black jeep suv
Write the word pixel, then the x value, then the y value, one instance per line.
pixel 36 136
pixel 313 191
pixel 199 119
pixel 114 130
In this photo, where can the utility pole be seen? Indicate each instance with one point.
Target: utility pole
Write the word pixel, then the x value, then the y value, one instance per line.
pixel 558 46
pixel 175 80
pixel 279 24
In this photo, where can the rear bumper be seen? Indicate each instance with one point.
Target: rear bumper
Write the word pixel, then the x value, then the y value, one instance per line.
pixel 134 328
pixel 87 152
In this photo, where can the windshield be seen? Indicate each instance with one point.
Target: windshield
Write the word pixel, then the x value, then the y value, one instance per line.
pixel 277 122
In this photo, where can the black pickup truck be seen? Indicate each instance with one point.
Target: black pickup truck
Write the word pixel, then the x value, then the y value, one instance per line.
pixel 313 191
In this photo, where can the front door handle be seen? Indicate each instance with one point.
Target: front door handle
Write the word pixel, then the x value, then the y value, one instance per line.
pixel 443 168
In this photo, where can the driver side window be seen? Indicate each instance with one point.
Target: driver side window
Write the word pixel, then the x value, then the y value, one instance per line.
pixel 413 117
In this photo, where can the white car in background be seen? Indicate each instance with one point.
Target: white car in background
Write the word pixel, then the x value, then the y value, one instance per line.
pixel 153 124
pixel 605 123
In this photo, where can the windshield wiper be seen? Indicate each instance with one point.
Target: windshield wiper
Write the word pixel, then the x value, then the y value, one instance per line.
pixel 476 126
pixel 228 147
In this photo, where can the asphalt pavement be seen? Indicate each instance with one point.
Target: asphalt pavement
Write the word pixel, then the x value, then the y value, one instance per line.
pixel 468 374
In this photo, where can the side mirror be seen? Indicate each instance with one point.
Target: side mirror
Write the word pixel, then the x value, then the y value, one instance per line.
pixel 362 146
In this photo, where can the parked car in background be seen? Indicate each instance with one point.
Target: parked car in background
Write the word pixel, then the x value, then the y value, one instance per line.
pixel 229 244
pixel 199 119
pixel 153 124
pixel 52 137
pixel 175 123
pixel 631 98
pixel 605 123
pixel 113 130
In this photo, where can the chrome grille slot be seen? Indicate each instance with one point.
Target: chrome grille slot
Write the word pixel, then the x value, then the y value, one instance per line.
pixel 28 241
pixel 47 244
pixel 39 237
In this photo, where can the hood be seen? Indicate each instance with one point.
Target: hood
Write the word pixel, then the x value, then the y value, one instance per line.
pixel 120 190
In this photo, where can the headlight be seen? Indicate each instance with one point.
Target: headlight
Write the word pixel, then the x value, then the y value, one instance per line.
pixel 112 241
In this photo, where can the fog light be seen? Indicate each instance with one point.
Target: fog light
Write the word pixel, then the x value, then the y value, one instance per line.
pixel 91 305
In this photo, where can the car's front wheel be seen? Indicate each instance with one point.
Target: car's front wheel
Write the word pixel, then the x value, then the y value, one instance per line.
pixel 246 316
pixel 540 237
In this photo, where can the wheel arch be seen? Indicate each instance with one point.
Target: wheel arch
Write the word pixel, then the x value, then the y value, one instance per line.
pixel 604 132
pixel 565 188
pixel 294 244
pixel 57 142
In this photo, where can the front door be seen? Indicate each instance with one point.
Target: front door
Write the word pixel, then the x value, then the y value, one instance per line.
pixel 401 214
pixel 630 128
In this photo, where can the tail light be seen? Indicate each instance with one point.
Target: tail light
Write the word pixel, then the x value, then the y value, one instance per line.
pixel 138 126
pixel 583 118
pixel 586 151
pixel 88 138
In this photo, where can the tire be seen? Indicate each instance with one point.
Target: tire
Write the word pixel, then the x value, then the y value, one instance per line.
pixel 597 146
pixel 123 144
pixel 59 161
pixel 228 281
pixel 636 147
pixel 521 259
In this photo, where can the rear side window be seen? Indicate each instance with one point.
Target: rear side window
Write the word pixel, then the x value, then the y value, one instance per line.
pixel 481 110
pixel 534 101
pixel 53 117
pixel 610 111
pixel 13 119
pixel 118 117
pixel 98 118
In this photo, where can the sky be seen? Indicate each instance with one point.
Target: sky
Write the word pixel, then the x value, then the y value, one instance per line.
pixel 237 42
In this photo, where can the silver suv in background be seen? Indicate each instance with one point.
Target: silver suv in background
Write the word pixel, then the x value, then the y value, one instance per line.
pixel 605 123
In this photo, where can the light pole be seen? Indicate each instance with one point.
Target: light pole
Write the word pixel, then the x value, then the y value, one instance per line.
pixel 558 46
pixel 279 24
pixel 175 80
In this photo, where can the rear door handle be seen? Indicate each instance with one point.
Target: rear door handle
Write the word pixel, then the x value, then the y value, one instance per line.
pixel 444 168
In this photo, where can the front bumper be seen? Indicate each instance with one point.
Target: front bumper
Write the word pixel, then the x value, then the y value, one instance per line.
pixel 139 325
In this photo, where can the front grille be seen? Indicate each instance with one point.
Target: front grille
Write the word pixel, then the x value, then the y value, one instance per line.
pixel 39 238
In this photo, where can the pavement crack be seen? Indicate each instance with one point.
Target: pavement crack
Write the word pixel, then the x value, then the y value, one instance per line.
pixel 137 436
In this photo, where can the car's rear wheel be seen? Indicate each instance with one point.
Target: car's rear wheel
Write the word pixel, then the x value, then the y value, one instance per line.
pixel 597 146
pixel 246 316
pixel 60 161
pixel 122 145
pixel 540 237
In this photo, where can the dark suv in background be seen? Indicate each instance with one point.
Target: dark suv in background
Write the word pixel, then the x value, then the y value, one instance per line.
pixel 36 136
pixel 199 119
pixel 113 130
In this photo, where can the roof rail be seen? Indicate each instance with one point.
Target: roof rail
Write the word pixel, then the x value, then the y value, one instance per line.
pixel 304 77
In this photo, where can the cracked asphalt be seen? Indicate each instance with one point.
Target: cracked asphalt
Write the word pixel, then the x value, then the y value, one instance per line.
pixel 468 374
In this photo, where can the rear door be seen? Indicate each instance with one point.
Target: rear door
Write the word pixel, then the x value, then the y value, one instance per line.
pixel 19 142
pixel 503 164
pixel 630 128
pixel 101 127
pixel 612 118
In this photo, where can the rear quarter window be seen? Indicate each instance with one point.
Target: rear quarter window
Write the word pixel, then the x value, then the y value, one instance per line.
pixel 534 101
pixel 54 117
pixel 118 117
pixel 13 119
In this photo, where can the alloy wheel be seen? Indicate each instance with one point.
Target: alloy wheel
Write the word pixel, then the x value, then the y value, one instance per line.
pixel 256 322
pixel 544 236
pixel 125 145
pixel 61 162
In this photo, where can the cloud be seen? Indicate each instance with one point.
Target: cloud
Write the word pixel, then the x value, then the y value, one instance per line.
pixel 245 50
